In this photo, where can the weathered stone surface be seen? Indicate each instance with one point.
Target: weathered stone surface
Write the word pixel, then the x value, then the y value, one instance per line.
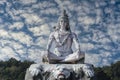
pixel 59 72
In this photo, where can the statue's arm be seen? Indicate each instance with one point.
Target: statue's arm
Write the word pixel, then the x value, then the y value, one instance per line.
pixel 76 41
pixel 51 39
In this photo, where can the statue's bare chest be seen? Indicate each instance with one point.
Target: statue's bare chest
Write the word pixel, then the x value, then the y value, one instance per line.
pixel 62 38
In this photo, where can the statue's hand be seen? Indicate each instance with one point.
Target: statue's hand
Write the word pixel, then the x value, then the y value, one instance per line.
pixel 88 70
pixel 35 69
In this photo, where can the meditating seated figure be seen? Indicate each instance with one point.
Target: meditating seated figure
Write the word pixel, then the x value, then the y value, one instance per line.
pixel 58 69
pixel 63 39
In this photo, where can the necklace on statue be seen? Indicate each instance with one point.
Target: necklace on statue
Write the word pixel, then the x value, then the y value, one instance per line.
pixel 60 35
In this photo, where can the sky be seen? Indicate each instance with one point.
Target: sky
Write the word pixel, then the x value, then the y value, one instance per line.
pixel 25 26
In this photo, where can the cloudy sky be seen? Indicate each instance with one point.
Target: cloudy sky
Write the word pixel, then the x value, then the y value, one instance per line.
pixel 25 26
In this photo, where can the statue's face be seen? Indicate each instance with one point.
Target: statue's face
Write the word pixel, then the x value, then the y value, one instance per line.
pixel 63 23
pixel 61 73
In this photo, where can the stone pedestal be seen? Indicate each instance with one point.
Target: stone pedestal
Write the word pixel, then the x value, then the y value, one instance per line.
pixel 60 72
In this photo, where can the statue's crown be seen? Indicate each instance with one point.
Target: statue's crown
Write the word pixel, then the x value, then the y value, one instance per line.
pixel 64 15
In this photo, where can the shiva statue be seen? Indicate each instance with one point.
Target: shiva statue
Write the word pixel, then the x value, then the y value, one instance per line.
pixel 63 38
pixel 64 62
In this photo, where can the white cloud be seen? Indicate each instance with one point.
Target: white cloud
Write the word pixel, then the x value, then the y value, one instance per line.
pixel 69 5
pixel 86 46
pixel 108 10
pixel 98 16
pixel 48 11
pixel 106 46
pixel 104 40
pixel 86 20
pixel 22 37
pixel 112 1
pixel 73 25
pixel 1 20
pixel 16 45
pixel 1 11
pixel 97 4
pixel 102 3
pixel 35 55
pixel 45 29
pixel 45 4
pixel 7 42
pixel 66 2
pixel 12 12
pixel 2 1
pixel 40 30
pixel 4 34
pixel 113 32
pixel 106 54
pixel 41 42
pixel 27 1
pixel 60 3
pixel 99 36
pixel 17 25
pixel 35 30
pixel 31 18
pixel 19 49
pixel 117 59
pixel 105 62
pixel 93 59
pixel 8 52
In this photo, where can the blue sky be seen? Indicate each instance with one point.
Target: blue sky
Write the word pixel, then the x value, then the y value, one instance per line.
pixel 26 24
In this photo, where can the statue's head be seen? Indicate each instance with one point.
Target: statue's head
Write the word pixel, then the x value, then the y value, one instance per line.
pixel 63 21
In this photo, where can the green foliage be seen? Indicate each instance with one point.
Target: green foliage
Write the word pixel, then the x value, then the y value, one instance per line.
pixel 108 72
pixel 15 70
